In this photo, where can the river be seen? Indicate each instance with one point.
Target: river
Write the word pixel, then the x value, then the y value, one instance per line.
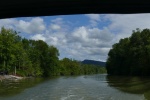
pixel 86 87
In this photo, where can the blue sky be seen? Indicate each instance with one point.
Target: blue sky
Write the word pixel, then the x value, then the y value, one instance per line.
pixel 86 36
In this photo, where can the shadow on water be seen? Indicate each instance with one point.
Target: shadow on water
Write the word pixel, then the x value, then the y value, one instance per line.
pixel 132 85
pixel 14 87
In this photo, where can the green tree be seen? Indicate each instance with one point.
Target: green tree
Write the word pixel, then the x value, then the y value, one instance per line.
pixel 28 57
pixel 52 61
pixel 8 47
pixel 131 56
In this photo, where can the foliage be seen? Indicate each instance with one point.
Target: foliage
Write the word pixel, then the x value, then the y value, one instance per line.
pixel 73 67
pixel 131 56
pixel 26 57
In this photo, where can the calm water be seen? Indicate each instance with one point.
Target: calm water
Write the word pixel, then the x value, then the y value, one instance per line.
pixel 92 87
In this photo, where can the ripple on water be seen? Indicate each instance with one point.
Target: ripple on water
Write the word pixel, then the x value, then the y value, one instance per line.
pixel 92 87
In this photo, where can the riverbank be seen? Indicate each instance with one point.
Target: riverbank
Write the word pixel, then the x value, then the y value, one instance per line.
pixel 10 77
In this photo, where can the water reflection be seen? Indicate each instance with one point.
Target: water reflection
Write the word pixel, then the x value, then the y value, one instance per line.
pixel 88 87
pixel 132 85
pixel 97 77
pixel 13 87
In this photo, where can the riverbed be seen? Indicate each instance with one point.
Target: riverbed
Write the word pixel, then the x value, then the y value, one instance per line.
pixel 85 87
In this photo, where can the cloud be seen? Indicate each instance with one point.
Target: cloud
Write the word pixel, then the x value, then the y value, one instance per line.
pixel 82 41
pixel 103 35
pixel 59 25
pixel 38 37
pixel 123 24
pixel 94 19
pixel 53 40
pixel 8 23
pixel 89 37
pixel 57 20
pixel 79 34
pixel 55 27
pixel 89 42
pixel 85 42
pixel 35 25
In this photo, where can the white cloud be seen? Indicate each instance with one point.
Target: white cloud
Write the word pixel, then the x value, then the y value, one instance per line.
pixel 36 25
pixel 89 42
pixel 57 20
pixel 80 34
pixel 95 43
pixel 79 44
pixel 52 40
pixel 95 17
pixel 82 42
pixel 55 27
pixel 8 23
pixel 103 35
pixel 55 38
pixel 38 37
pixel 59 25
pixel 91 36
pixel 122 25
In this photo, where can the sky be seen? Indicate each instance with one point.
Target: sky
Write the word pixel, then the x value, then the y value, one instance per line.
pixel 79 37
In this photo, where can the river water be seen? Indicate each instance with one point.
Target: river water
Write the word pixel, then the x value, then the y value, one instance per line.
pixel 86 87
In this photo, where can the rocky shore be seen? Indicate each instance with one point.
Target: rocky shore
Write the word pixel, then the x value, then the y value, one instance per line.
pixel 10 77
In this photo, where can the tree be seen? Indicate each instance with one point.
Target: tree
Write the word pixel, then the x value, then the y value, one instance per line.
pixel 52 61
pixel 26 57
pixel 8 47
pixel 131 56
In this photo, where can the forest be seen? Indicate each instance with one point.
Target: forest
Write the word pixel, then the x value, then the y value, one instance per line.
pixel 131 56
pixel 26 57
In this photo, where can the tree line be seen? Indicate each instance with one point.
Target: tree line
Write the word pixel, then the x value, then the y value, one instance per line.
pixel 26 57
pixel 131 56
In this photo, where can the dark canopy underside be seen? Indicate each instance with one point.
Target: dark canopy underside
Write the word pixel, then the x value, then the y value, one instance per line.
pixel 24 8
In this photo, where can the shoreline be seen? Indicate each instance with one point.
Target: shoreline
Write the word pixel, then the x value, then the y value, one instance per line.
pixel 10 77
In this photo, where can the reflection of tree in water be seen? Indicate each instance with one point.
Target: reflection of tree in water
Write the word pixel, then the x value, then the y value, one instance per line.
pixel 12 87
pixel 134 85
pixel 97 77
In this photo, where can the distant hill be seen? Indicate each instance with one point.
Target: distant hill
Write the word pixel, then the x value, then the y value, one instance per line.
pixel 93 62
